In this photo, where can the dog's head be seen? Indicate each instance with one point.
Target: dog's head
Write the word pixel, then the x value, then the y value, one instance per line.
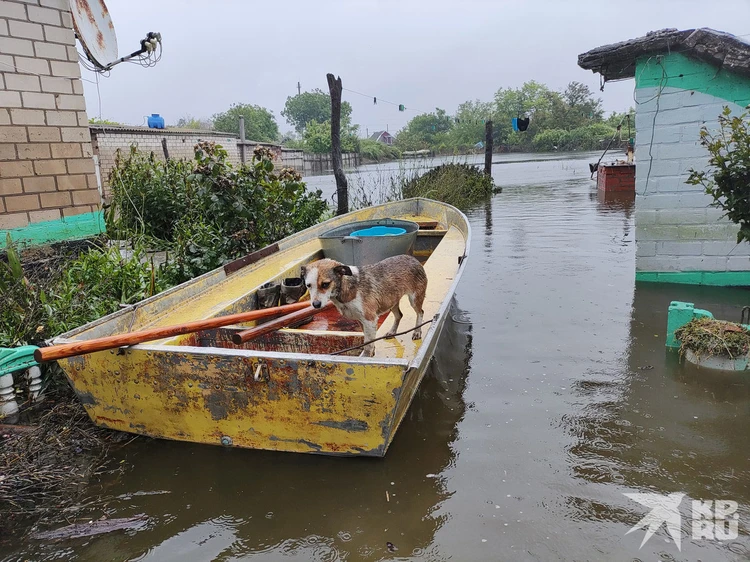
pixel 323 279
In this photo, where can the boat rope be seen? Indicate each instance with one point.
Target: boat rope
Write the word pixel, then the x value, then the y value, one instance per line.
pixel 386 336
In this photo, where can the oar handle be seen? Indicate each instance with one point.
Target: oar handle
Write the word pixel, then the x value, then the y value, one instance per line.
pixel 54 352
pixel 252 333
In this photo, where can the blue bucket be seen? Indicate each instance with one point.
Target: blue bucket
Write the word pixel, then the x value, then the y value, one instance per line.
pixel 379 231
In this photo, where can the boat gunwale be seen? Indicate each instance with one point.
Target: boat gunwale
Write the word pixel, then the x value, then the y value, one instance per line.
pixel 415 362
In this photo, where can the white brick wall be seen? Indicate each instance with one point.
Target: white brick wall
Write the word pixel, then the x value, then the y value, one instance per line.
pixel 46 169
pixel 676 229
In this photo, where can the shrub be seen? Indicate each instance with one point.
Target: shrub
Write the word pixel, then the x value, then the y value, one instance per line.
pixel 207 212
pixel 727 177
pixel 378 151
pixel 457 184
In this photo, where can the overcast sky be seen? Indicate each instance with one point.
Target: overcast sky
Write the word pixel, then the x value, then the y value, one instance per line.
pixel 421 53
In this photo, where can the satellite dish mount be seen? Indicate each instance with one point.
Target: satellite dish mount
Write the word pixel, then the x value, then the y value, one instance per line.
pixel 95 31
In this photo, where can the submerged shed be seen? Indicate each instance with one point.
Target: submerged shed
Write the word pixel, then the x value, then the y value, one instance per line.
pixel 683 80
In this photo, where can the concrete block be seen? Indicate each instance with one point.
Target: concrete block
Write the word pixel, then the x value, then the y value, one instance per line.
pixel 668 134
pixel 74 211
pixel 15 46
pixel 738 263
pixel 71 102
pixel 10 186
pixel 66 19
pixel 723 248
pixel 45 15
pixel 7 151
pixel 682 216
pixel 32 65
pixel 75 134
pixel 81 166
pixel 53 51
pixel 36 100
pixel 652 201
pixel 77 87
pixel 14 220
pixel 65 69
pixel 12 134
pixel 656 233
pixel 645 217
pixel 645 249
pixel 21 82
pixel 18 203
pixel 679 116
pixel 693 197
pixel 71 182
pixel 56 85
pixel 25 30
pixel 44 134
pixel 33 151
pixel 4 27
pixel 56 199
pixel 50 167
pixel 10 99
pixel 66 150
pixel 27 116
pixel 57 4
pixel 679 248
pixel 62 118
pixel 12 10
pixel 42 216
pixel 86 197
pixel 37 184
pixel 59 35
pixel 691 151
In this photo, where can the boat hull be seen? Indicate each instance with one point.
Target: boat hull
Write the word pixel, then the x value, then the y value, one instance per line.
pixel 305 402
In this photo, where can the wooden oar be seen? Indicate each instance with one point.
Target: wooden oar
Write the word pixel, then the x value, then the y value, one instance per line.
pixel 252 333
pixel 64 350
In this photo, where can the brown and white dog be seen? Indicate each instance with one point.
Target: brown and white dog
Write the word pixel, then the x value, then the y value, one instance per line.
pixel 365 293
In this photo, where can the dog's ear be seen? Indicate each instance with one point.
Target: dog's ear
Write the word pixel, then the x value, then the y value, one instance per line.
pixel 342 270
pixel 302 272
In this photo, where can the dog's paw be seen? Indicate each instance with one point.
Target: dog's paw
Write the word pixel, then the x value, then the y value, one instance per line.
pixel 417 335
pixel 391 334
pixel 367 352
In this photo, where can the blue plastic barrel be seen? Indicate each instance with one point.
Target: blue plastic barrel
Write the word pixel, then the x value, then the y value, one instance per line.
pixel 379 231
pixel 156 121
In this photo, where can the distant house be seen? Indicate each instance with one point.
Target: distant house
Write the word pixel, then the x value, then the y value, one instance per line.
pixel 382 136
pixel 683 80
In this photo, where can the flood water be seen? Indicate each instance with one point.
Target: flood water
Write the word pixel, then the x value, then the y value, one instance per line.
pixel 550 397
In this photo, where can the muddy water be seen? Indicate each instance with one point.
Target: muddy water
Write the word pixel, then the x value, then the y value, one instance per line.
pixel 550 397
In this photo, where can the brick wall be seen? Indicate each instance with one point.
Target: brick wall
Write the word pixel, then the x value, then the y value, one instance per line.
pixel 676 230
pixel 106 140
pixel 46 165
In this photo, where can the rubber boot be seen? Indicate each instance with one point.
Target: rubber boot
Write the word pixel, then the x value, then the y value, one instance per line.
pixel 268 295
pixel 292 288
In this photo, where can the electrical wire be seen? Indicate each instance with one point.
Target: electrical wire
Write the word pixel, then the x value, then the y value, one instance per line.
pixel 662 84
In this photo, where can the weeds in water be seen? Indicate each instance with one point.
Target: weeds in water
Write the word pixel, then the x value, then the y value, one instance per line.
pixel 707 337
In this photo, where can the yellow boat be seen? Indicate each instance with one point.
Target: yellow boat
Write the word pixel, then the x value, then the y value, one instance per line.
pixel 290 390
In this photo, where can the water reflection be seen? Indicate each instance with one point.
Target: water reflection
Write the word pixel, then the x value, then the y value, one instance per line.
pixel 231 504
pixel 651 423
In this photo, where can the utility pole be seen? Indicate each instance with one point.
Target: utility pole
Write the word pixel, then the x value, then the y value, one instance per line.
pixel 299 88
pixel 342 190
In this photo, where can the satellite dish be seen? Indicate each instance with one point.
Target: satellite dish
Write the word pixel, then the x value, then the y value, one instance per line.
pixel 95 30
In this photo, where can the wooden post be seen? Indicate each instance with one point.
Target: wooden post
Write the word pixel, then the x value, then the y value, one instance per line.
pixel 165 149
pixel 342 192
pixel 242 139
pixel 488 148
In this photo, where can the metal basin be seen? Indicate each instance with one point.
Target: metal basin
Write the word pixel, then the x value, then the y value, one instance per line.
pixel 370 246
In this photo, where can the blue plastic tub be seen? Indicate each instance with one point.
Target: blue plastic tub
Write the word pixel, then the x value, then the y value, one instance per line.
pixel 379 231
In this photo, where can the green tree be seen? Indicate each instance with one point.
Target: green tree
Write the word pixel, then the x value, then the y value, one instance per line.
pixel 428 130
pixel 317 138
pixel 582 108
pixel 468 126
pixel 260 124
pixel 313 106
pixel 190 122
pixel 534 100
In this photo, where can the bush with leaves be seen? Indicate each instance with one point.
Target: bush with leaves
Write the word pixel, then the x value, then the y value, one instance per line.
pixel 207 212
pixel 727 177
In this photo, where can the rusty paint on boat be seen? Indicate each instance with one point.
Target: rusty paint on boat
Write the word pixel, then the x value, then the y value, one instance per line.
pixel 287 391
